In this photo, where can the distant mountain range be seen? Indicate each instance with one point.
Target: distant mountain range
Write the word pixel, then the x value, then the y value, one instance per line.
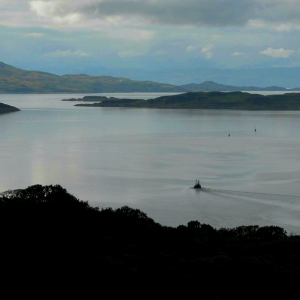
pixel 14 80
pixel 209 86
pixel 287 77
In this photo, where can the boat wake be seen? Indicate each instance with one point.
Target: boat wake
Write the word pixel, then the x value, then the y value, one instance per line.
pixel 266 196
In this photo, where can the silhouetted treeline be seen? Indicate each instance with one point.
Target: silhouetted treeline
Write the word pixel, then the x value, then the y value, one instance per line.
pixel 49 236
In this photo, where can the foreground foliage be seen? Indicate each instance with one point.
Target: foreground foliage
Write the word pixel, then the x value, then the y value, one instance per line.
pixel 55 236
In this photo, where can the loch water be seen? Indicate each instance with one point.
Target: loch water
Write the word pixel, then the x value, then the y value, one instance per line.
pixel 150 158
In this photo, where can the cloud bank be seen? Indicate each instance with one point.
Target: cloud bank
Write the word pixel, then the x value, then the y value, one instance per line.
pixel 174 12
pixel 155 33
pixel 283 14
pixel 278 15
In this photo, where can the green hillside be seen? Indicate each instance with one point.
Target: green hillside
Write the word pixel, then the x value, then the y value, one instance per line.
pixel 13 80
pixel 211 100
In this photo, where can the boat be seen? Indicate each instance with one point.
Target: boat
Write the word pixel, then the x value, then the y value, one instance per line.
pixel 197 184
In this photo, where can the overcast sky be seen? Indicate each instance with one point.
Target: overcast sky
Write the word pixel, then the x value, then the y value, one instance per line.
pixel 69 36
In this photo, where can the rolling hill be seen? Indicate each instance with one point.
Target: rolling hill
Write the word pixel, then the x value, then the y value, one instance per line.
pixel 208 86
pixel 14 80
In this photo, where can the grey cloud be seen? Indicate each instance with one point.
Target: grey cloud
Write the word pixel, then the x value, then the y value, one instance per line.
pixel 213 13
pixel 177 12
pixel 277 11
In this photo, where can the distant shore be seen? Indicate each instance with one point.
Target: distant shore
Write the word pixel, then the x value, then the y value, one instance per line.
pixel 203 100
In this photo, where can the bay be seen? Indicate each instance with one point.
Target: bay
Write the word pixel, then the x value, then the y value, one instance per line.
pixel 149 158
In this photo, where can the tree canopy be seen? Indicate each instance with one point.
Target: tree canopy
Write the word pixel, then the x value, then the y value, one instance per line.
pixel 53 234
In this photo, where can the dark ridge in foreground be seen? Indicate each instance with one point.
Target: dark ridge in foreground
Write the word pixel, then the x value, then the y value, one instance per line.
pixel 47 232
pixel 4 108
pixel 210 100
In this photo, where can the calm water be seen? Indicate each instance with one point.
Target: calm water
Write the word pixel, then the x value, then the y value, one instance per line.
pixel 149 159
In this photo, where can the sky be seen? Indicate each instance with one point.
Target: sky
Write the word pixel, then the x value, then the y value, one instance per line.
pixel 92 36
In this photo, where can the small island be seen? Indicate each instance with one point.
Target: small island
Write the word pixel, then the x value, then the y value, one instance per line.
pixel 209 100
pixel 91 98
pixel 4 108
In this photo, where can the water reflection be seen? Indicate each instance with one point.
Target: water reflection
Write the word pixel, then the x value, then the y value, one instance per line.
pixel 149 159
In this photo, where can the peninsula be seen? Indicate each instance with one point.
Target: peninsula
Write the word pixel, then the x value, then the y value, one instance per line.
pixel 209 100
pixel 4 108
